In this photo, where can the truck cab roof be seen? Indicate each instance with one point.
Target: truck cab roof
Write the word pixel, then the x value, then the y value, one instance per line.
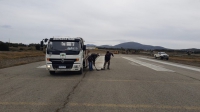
pixel 67 38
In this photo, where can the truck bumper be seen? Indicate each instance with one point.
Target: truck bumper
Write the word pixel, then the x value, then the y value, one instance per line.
pixel 75 67
pixel 164 57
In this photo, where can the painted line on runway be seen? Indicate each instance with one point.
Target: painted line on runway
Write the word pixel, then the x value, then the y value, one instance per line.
pixel 111 80
pixel 29 103
pixel 104 105
pixel 43 66
pixel 99 63
pixel 135 106
pixel 106 80
pixel 173 64
pixel 151 66
pixel 45 79
pixel 132 63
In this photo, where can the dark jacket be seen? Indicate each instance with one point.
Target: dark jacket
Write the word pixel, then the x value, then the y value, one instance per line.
pixel 90 58
pixel 108 55
pixel 94 56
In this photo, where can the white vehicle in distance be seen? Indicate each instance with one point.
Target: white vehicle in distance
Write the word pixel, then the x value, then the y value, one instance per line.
pixel 162 55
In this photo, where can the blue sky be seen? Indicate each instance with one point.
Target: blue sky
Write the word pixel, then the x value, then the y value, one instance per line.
pixel 168 23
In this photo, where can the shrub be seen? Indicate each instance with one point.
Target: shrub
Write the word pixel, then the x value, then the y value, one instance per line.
pixel 30 48
pixel 3 47
pixel 37 47
pixel 21 49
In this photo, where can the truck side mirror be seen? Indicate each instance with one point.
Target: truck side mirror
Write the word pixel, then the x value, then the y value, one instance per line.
pixel 84 47
pixel 45 40
pixel 41 45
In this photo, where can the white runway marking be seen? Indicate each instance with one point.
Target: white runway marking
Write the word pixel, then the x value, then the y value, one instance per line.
pixel 132 63
pixel 43 66
pixel 172 64
pixel 99 62
pixel 151 66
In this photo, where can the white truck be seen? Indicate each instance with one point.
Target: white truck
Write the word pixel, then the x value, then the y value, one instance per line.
pixel 65 54
pixel 162 55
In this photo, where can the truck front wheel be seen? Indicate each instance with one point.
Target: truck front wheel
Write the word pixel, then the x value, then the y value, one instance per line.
pixel 52 72
pixel 81 71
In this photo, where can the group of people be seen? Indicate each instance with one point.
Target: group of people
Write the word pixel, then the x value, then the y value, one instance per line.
pixel 92 58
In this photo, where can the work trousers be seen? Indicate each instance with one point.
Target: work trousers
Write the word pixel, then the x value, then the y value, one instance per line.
pixel 106 63
pixel 90 66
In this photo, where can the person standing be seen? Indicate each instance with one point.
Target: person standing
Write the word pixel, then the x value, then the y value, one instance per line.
pixel 90 61
pixel 107 59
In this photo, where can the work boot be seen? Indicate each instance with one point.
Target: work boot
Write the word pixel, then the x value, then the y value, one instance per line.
pixel 108 67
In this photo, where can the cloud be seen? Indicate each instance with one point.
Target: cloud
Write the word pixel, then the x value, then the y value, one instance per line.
pixel 161 23
pixel 6 26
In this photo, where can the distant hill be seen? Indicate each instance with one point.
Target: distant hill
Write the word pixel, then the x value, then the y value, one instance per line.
pixel 191 49
pixel 133 45
pixel 90 45
pixel 106 46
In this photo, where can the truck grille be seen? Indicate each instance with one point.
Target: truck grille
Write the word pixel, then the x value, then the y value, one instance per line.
pixel 68 66
pixel 62 62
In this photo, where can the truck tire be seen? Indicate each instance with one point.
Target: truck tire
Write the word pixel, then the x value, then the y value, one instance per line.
pixel 81 71
pixel 167 58
pixel 52 72
pixel 155 57
pixel 161 58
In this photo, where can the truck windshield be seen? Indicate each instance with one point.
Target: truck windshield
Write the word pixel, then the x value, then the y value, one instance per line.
pixel 63 46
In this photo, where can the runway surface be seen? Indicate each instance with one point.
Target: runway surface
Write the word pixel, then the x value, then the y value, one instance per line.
pixel 133 83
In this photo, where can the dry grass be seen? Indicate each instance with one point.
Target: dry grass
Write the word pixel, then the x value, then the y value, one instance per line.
pixel 22 54
pixel 22 49
pixel 190 58
pixel 100 51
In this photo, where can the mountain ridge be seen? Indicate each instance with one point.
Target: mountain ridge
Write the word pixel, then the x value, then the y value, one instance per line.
pixel 136 45
pixel 133 45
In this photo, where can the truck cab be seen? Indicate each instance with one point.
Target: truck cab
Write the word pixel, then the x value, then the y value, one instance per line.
pixel 65 54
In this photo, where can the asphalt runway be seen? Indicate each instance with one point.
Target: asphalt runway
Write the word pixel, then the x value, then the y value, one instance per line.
pixel 133 84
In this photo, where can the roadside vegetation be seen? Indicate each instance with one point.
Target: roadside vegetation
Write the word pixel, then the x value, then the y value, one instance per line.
pixel 14 51
pixel 22 54
pixel 193 59
pixel 19 50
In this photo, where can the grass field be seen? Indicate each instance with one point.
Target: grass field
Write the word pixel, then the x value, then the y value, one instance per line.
pixel 186 58
pixel 16 54
pixel 190 60
pixel 6 55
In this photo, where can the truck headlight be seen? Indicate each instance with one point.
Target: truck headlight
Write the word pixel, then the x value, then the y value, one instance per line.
pixel 48 66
